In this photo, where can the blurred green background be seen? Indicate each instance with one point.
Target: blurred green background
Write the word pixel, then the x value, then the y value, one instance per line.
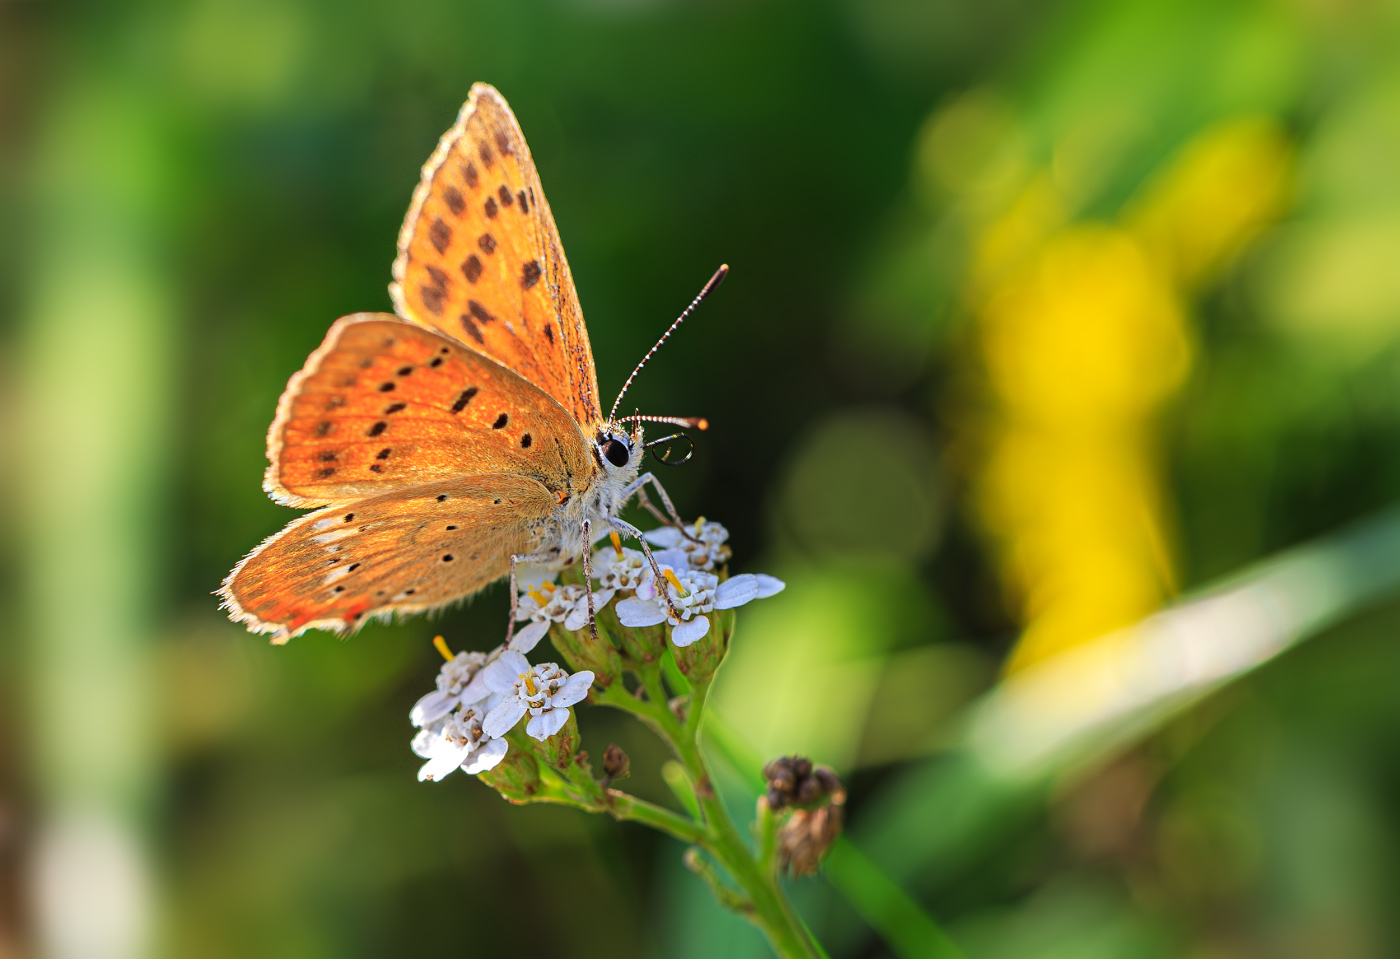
pixel 1042 316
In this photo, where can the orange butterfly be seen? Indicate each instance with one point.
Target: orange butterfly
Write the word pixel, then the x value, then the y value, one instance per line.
pixel 459 438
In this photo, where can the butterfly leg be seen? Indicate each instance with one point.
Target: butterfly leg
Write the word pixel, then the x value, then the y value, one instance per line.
pixel 588 579
pixel 635 489
pixel 515 590
pixel 627 529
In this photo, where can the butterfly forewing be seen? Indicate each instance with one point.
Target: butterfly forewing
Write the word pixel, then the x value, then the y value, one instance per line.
pixel 480 258
pixel 398 552
pixel 386 405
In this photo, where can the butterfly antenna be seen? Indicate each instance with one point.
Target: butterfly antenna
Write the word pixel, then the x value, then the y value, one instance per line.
pixel 694 422
pixel 710 287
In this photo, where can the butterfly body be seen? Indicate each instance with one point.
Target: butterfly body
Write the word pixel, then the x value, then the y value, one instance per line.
pixel 447 443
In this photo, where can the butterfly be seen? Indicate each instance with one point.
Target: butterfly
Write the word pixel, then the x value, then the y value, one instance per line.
pixel 447 443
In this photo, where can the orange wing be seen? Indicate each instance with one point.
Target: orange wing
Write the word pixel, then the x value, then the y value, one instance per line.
pixel 386 405
pixel 402 552
pixel 480 258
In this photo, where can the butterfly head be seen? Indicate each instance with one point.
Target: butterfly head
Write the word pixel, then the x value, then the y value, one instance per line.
pixel 618 451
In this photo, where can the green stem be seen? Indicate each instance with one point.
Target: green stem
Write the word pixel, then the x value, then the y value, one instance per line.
pixel 625 806
pixel 770 909
pixel 696 862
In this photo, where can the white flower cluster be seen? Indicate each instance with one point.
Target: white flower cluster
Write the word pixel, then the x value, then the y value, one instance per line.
pixel 481 697
pixel 686 559
pixel 545 604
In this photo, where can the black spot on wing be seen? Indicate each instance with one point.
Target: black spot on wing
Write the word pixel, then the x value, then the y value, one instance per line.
pixel 432 298
pixel 471 268
pixel 472 329
pixel 462 400
pixel 440 234
pixel 477 310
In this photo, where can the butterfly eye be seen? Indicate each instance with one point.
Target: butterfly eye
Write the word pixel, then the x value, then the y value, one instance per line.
pixel 617 453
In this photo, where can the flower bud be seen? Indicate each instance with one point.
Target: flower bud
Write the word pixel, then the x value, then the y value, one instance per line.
pixel 699 661
pixel 616 765
pixel 517 776
pixel 643 644
pixel 794 781
pixel 558 750
pixel 581 650
pixel 815 797
pixel 806 838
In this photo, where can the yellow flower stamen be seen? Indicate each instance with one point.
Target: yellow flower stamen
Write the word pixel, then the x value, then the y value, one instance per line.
pixel 699 523
pixel 441 645
pixel 529 681
pixel 616 541
pixel 671 578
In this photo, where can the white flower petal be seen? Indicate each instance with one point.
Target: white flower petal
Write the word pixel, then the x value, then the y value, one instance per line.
pixel 691 630
pixel 640 612
pixel 486 756
pixel 423 742
pixel 503 718
pixel 446 757
pixel 736 591
pixel 432 707
pixel 578 616
pixel 675 559
pixel 504 673
pixel 768 585
pixel 528 637
pixel 529 576
pixel 664 536
pixel 476 691
pixel 574 690
pixel 546 724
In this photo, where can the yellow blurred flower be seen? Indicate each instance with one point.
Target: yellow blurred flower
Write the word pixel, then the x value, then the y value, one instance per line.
pixel 1083 331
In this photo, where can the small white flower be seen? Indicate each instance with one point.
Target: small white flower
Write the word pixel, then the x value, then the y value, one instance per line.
pixel 701 544
pixel 545 692
pixel 618 571
pixel 694 593
pixel 459 683
pixel 457 741
pixel 546 604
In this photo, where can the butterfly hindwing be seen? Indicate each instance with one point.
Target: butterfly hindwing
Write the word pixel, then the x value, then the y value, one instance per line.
pixel 385 404
pixel 404 552
pixel 480 258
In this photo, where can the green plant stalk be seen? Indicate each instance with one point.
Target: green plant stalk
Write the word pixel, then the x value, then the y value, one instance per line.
pixel 769 908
